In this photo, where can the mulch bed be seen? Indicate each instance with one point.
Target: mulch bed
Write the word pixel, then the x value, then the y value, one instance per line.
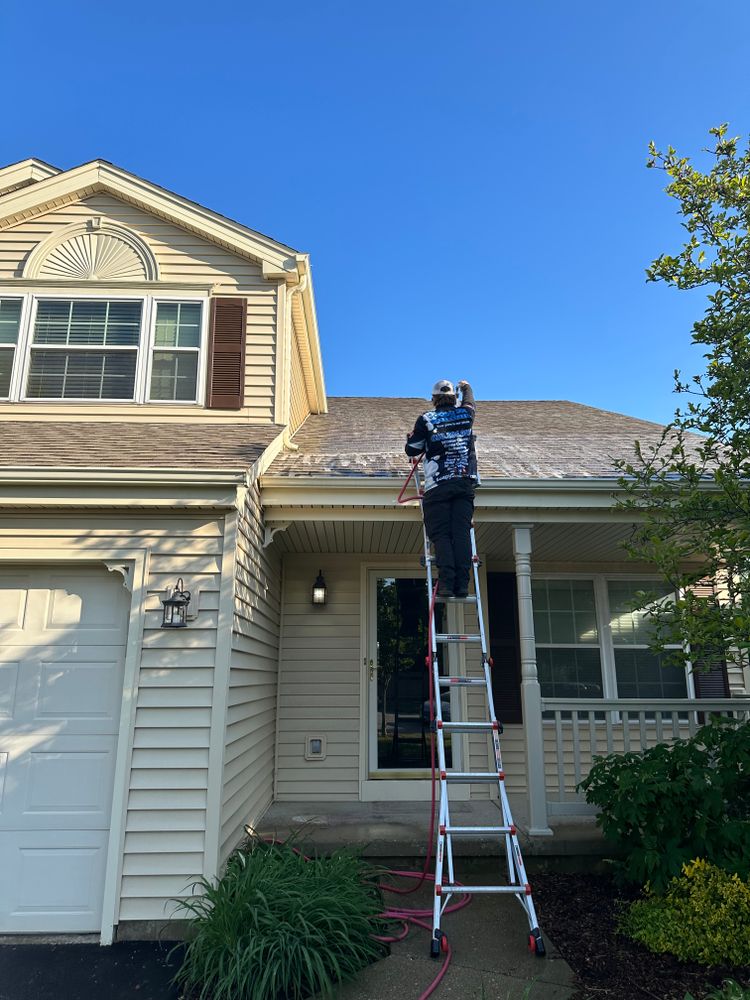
pixel 579 910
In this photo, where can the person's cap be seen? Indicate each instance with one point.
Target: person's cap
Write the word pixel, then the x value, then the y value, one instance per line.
pixel 443 388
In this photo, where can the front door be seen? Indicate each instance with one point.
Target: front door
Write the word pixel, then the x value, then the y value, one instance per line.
pixel 399 694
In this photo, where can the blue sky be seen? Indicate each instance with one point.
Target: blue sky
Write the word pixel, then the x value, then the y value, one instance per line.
pixel 468 175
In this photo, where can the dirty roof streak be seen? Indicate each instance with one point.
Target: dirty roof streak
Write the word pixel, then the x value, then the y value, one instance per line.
pixel 528 439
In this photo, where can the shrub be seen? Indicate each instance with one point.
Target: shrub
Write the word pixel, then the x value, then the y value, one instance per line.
pixel 704 917
pixel 276 925
pixel 730 990
pixel 663 806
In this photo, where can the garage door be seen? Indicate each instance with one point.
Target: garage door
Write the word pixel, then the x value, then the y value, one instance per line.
pixel 62 650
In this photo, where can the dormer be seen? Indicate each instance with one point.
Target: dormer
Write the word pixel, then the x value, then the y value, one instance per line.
pixel 121 299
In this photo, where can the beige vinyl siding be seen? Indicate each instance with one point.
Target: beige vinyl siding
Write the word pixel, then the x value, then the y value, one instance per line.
pixel 166 802
pixel 251 715
pixel 300 404
pixel 182 256
pixel 319 684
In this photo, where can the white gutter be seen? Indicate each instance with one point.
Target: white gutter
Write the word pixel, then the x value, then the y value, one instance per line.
pixel 24 475
pixel 391 482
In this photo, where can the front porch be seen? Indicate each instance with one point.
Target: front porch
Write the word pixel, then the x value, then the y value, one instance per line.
pixel 401 829
pixel 565 533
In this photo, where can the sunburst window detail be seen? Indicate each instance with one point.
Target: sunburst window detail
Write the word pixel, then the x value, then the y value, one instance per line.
pixel 93 251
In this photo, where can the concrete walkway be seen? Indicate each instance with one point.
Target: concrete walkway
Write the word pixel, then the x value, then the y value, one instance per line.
pixel 490 961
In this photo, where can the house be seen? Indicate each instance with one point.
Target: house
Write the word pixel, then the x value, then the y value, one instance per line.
pixel 164 426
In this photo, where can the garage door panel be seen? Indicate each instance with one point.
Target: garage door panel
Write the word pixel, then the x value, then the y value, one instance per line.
pixel 85 610
pixel 52 887
pixel 13 605
pixel 72 689
pixel 62 783
pixel 9 673
pixel 77 686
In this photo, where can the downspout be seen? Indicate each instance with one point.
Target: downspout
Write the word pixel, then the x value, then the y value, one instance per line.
pixel 294 289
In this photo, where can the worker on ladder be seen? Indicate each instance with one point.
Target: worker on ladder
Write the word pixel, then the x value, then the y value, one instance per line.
pixel 445 435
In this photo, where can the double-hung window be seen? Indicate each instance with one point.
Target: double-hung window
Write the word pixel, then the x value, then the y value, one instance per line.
pixel 590 643
pixel 176 353
pixel 84 349
pixel 568 648
pixel 131 349
pixel 639 672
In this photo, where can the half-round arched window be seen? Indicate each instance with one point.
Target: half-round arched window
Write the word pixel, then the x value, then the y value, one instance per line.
pixel 92 251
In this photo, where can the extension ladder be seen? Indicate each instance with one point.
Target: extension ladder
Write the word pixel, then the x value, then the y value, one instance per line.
pixel 517 881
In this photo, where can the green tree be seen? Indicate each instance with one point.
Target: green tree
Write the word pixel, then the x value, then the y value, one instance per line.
pixel 692 489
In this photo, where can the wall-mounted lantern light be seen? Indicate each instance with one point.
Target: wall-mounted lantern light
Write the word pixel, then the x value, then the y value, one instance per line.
pixel 175 607
pixel 319 592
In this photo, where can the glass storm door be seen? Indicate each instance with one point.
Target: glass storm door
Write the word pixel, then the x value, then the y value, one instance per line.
pixel 399 683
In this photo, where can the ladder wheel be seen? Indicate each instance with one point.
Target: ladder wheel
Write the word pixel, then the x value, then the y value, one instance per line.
pixel 536 943
pixel 444 942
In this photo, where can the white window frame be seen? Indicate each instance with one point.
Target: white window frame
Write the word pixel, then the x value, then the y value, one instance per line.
pixel 145 349
pixel 606 643
pixel 202 367
pixel 20 343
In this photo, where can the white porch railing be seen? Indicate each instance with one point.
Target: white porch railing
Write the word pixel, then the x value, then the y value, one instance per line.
pixel 575 731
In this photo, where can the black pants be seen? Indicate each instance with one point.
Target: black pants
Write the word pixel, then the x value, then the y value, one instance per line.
pixel 448 508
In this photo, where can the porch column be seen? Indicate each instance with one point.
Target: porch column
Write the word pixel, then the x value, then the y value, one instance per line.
pixel 531 694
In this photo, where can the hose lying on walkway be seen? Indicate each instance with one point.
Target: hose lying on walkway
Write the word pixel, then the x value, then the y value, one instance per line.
pixel 408 917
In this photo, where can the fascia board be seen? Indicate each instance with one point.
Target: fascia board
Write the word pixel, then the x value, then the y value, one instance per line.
pixel 25 171
pixel 515 514
pixel 370 492
pixel 312 346
pixel 59 186
pixel 277 259
pixel 70 496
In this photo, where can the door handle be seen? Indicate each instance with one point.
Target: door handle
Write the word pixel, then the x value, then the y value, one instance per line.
pixel 372 668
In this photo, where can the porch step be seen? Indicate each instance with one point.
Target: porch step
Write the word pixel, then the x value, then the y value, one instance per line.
pixel 447 681
pixel 455 637
pixel 470 727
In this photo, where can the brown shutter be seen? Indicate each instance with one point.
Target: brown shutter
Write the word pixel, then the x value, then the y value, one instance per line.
pixel 504 646
pixel 713 683
pixel 226 356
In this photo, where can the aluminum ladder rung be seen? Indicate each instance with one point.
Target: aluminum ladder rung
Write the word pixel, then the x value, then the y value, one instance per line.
pixel 456 637
pixel 457 777
pixel 469 727
pixel 469 599
pixel 447 681
pixel 519 890
pixel 478 831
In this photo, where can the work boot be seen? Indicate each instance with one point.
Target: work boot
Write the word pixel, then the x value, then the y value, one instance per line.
pixel 444 589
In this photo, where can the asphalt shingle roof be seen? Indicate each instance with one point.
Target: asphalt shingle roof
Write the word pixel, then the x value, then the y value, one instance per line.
pixel 119 444
pixel 527 439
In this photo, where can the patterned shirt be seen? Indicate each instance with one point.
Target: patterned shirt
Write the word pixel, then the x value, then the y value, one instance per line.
pixel 445 436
